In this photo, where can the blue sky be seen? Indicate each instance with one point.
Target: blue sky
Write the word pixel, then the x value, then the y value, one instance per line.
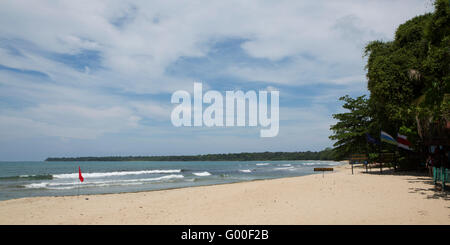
pixel 94 78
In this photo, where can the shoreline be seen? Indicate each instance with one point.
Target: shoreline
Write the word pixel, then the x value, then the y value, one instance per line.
pixel 340 163
pixel 167 189
pixel 336 198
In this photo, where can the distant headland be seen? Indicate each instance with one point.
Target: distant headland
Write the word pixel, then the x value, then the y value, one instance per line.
pixel 326 154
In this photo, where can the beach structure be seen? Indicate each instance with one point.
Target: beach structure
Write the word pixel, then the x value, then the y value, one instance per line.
pixel 383 158
pixel 434 135
pixel 358 159
pixel 441 174
pixel 323 170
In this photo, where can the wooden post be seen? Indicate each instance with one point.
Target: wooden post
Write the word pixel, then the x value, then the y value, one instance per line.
pixel 381 161
pixel 367 155
pixel 381 167
pixel 395 160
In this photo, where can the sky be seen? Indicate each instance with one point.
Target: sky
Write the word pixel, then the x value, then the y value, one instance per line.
pixel 95 78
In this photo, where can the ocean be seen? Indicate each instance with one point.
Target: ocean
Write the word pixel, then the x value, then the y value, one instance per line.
pixel 29 179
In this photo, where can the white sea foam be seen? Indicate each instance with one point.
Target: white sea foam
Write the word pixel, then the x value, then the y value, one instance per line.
pixel 286 165
pixel 285 168
pixel 314 163
pixel 71 185
pixel 165 177
pixel 330 163
pixel 118 173
pixel 36 185
pixel 202 174
pixel 93 185
pixel 245 170
pixel 262 164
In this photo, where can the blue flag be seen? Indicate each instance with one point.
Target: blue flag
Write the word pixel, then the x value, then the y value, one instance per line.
pixel 387 138
pixel 372 140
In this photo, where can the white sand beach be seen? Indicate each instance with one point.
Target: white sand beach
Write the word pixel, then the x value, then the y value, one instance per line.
pixel 336 198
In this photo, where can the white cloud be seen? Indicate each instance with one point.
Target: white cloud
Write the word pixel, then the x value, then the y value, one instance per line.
pixel 160 32
pixel 66 121
pixel 298 43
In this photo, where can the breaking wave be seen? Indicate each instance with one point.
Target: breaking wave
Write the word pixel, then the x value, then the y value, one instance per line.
pixel 245 170
pixel 202 174
pixel 118 173
pixel 28 177
pixel 72 185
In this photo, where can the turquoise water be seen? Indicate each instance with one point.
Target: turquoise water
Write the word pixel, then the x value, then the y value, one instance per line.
pixel 27 179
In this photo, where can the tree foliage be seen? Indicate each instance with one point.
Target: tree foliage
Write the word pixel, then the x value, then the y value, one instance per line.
pixel 326 154
pixel 408 81
pixel 352 126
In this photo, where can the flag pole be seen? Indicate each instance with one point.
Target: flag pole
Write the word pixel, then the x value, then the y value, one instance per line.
pixel 80 178
pixel 379 153
pixel 78 189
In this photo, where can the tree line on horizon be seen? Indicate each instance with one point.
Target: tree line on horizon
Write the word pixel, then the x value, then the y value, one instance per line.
pixel 326 154
pixel 409 86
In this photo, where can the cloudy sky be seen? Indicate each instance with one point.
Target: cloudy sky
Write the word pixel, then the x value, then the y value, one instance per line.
pixel 95 78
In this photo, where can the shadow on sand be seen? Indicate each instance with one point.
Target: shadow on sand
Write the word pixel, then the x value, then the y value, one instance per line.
pixel 432 191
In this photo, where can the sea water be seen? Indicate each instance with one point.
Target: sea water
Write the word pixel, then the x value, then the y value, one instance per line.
pixel 28 179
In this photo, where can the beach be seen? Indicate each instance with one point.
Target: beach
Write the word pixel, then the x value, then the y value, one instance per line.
pixel 333 198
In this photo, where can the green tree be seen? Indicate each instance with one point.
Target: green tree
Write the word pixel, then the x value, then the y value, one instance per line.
pixel 394 72
pixel 408 77
pixel 436 65
pixel 352 126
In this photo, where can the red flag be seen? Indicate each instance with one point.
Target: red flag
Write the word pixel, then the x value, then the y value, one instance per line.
pixel 403 142
pixel 79 174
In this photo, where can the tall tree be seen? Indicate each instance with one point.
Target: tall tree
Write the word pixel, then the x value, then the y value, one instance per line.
pixel 436 65
pixel 394 74
pixel 352 126
pixel 409 76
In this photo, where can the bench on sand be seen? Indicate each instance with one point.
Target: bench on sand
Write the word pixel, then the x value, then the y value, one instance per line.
pixel 442 175
pixel 358 159
pixel 387 157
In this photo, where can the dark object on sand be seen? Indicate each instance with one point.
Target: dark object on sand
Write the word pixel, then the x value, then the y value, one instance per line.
pixel 323 170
